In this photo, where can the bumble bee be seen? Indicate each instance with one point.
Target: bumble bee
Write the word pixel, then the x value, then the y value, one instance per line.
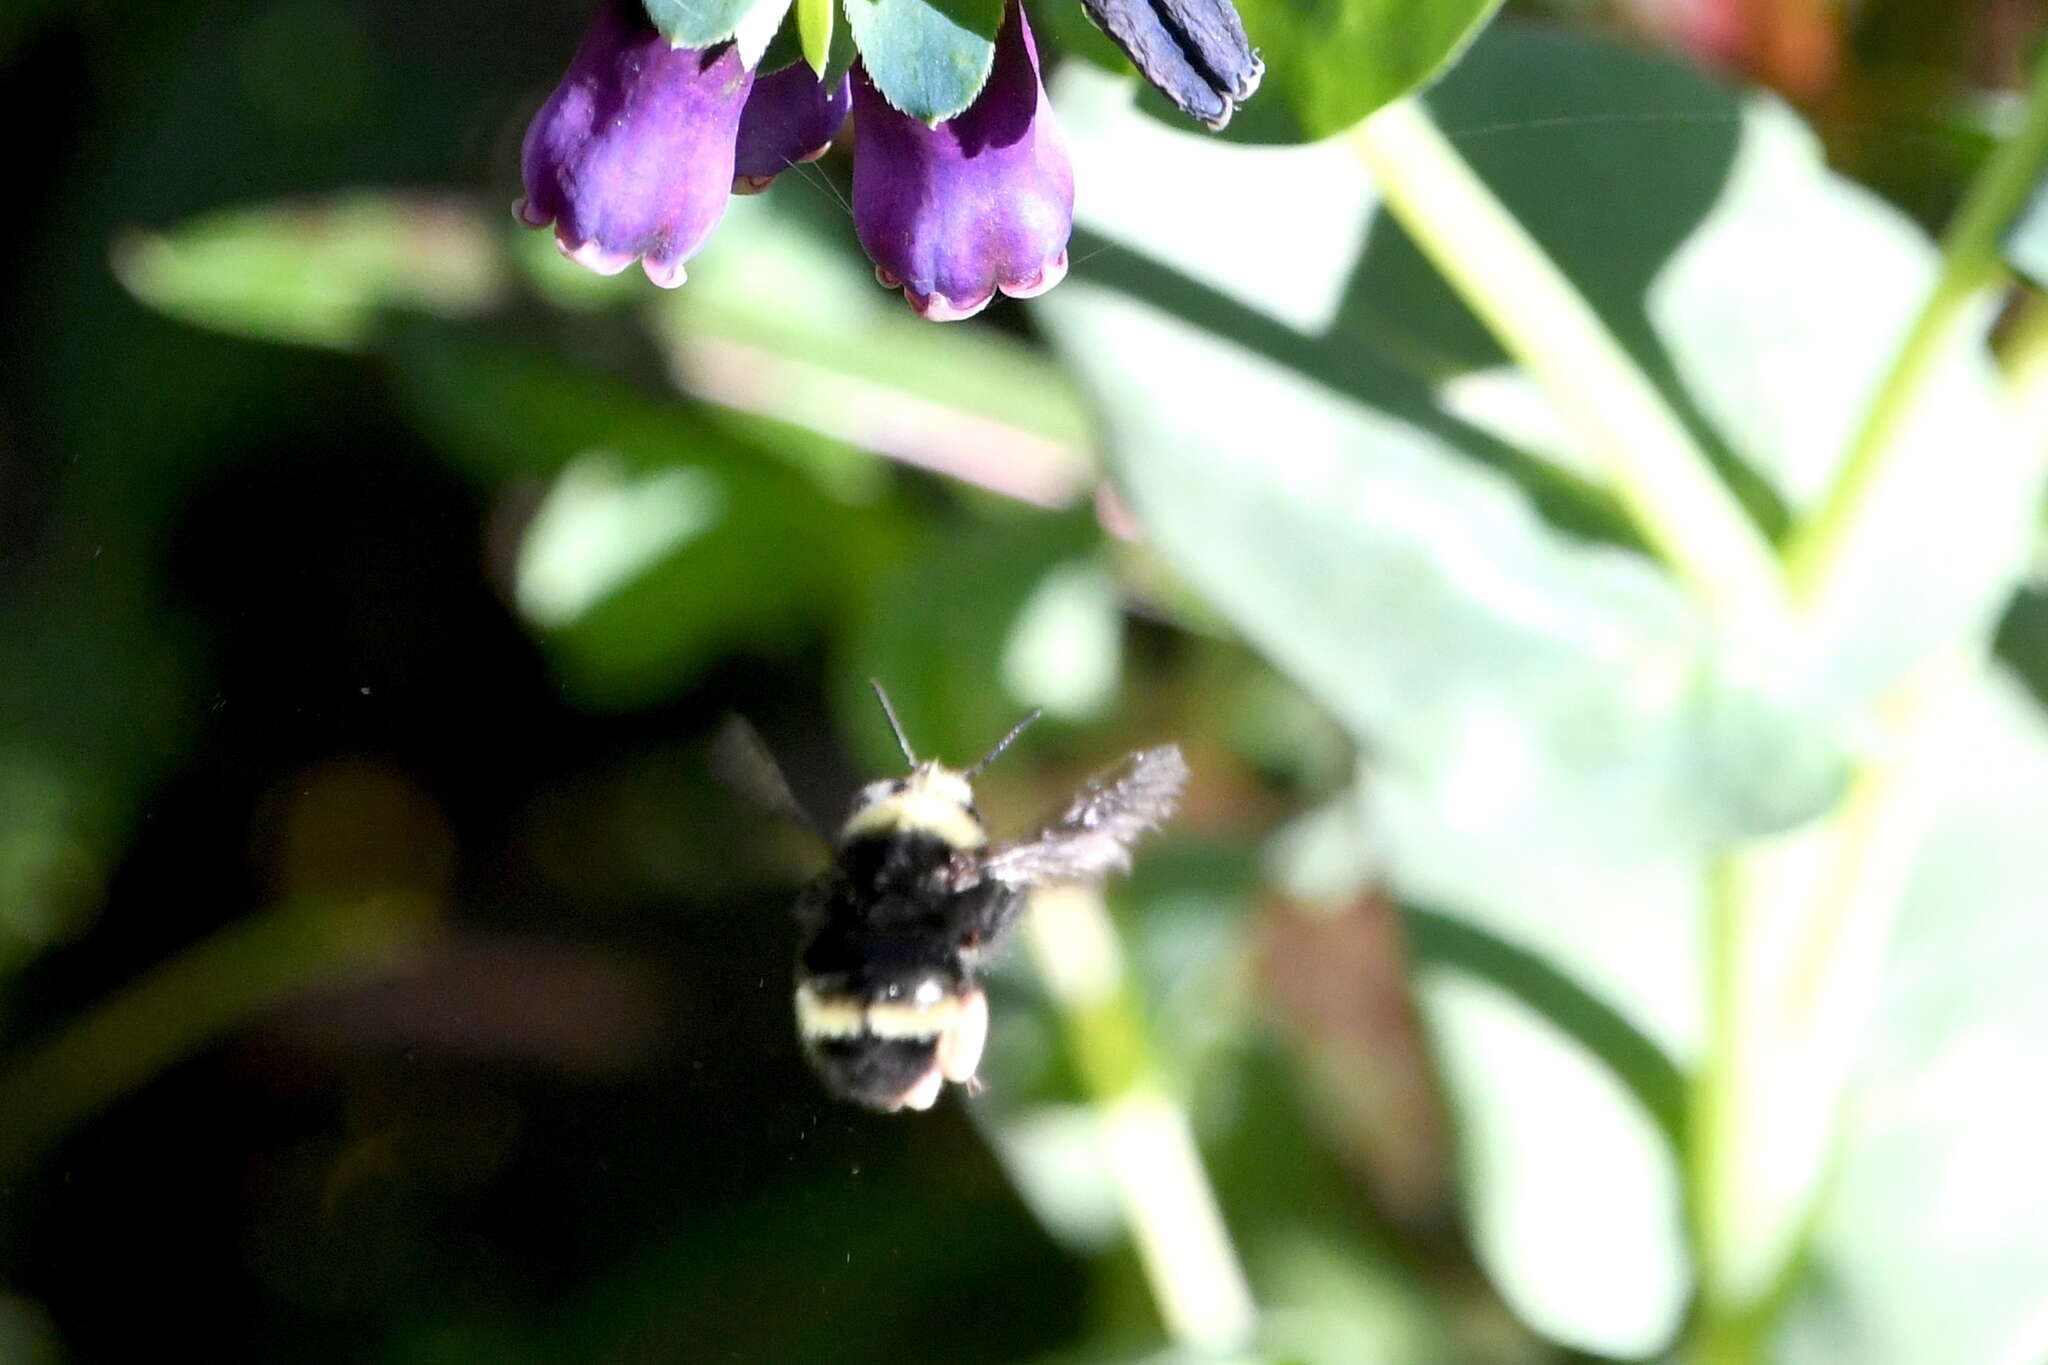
pixel 889 1004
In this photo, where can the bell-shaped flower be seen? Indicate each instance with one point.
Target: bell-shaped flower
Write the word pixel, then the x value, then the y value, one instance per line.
pixel 981 202
pixel 632 157
pixel 791 117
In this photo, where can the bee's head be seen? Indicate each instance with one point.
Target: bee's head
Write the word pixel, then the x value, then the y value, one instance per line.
pixel 932 800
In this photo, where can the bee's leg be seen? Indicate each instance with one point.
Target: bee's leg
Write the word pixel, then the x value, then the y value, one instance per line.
pixel 985 914
pixel 960 1046
pixel 925 1093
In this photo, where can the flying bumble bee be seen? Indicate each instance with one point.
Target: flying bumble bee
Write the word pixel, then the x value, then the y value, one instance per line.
pixel 889 1003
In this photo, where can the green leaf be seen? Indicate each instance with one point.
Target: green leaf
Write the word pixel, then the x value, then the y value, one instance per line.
pixel 929 58
pixel 936 630
pixel 1411 591
pixel 1738 259
pixel 1329 63
pixel 1421 599
pixel 1064 653
pixel 1652 1079
pixel 1796 272
pixel 783 317
pixel 318 272
pixel 814 22
pixel 664 540
pixel 788 47
pixel 697 23
pixel 1570 1122
pixel 1396 566
pixel 1933 1240
pixel 1726 211
pixel 1595 1196
pixel 757 29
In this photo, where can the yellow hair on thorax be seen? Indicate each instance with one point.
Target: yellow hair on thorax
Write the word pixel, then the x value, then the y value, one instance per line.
pixel 934 801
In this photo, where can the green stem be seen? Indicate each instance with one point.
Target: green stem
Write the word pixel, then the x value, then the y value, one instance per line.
pixel 1731 1340
pixel 1818 1006
pixel 1660 474
pixel 1971 267
pixel 2024 357
pixel 1883 817
pixel 1788 1031
pixel 185 1003
pixel 1175 1221
pixel 1714 1154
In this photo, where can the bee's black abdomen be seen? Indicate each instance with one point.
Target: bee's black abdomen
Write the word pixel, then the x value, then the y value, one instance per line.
pixel 855 961
pixel 876 1072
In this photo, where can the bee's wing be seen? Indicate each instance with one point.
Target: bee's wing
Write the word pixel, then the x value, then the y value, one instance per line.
pixel 742 760
pixel 1092 837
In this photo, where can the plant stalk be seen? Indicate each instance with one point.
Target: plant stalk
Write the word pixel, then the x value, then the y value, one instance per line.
pixel 1750 1220
pixel 185 1003
pixel 1661 476
pixel 1797 935
pixel 1972 266
pixel 1201 1290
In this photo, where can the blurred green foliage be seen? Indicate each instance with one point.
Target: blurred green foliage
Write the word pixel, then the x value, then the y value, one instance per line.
pixel 385 973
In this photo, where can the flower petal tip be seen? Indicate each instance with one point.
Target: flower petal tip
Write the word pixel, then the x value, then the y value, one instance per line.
pixel 1249 85
pixel 887 278
pixel 1055 271
pixel 594 256
pixel 667 274
pixel 937 307
pixel 523 209
pixel 751 184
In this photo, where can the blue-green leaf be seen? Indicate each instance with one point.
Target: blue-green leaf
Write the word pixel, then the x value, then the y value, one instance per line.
pixel 757 29
pixel 1295 405
pixel 1932 1241
pixel 1329 63
pixel 929 58
pixel 697 23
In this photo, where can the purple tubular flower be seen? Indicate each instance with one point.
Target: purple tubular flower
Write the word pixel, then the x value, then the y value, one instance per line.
pixel 791 117
pixel 631 158
pixel 982 202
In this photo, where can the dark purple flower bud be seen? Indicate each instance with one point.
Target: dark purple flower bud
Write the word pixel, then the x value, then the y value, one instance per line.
pixel 791 117
pixel 1194 52
pixel 982 202
pixel 631 157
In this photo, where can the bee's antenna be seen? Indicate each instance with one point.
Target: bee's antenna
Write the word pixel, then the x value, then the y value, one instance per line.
pixel 1005 742
pixel 895 725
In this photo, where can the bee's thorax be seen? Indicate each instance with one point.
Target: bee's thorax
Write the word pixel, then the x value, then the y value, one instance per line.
pixel 932 800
